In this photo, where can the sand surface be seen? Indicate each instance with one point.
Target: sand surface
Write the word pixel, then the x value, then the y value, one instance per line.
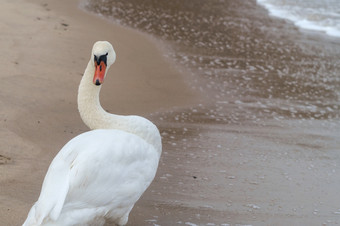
pixel 210 173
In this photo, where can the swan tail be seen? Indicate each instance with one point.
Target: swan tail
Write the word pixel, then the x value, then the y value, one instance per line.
pixel 52 197
pixel 31 217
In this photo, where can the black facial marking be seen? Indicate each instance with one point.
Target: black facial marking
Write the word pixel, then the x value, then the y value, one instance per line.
pixel 101 58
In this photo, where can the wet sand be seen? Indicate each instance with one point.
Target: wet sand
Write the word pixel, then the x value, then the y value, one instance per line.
pixel 216 169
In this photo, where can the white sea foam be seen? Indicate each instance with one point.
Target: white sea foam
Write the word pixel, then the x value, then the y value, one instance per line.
pixel 314 15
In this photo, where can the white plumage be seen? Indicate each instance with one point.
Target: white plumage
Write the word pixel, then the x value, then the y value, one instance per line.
pixel 99 174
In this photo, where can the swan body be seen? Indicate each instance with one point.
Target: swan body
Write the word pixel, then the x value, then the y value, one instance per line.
pixel 100 174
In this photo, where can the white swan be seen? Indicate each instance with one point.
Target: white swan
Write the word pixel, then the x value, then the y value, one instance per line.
pixel 99 174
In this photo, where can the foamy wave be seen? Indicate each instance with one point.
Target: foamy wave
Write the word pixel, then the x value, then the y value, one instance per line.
pixel 312 15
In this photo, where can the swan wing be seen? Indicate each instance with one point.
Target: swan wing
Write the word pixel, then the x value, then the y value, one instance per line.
pixel 112 169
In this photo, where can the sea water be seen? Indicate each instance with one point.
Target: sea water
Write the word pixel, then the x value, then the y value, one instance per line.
pixel 253 67
pixel 323 16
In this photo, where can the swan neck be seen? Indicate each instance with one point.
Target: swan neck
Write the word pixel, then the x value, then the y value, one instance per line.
pixel 95 117
pixel 89 105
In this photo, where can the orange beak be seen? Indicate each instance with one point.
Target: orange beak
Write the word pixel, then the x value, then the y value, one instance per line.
pixel 99 73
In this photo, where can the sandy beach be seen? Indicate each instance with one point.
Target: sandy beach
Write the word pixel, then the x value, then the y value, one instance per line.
pixel 216 168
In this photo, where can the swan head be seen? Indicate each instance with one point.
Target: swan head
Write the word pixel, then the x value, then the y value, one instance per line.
pixel 102 57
